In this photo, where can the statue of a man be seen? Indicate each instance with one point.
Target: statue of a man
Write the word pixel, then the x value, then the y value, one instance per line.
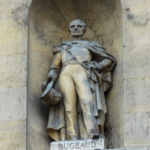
pixel 80 73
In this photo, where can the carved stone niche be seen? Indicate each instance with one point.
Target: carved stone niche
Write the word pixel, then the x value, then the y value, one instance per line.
pixel 48 25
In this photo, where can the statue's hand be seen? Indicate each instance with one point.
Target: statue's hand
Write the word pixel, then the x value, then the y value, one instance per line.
pixel 95 65
pixel 49 77
pixel 90 65
pixel 55 93
pixel 52 75
pixel 43 87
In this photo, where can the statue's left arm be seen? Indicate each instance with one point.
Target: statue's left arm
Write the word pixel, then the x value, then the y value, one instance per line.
pixel 104 64
pixel 104 60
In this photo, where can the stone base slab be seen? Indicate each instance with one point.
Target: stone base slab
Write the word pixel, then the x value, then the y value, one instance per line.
pixel 90 144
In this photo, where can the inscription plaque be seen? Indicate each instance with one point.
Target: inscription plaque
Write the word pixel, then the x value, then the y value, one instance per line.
pixel 90 144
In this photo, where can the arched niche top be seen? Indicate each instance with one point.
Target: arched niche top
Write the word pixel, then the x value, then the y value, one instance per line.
pixel 51 17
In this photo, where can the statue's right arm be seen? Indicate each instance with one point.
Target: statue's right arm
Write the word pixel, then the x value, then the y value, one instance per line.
pixel 55 66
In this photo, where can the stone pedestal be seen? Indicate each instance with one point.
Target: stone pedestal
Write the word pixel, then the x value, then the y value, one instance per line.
pixel 78 145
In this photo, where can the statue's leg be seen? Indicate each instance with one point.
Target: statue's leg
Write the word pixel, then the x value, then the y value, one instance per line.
pixel 68 91
pixel 84 92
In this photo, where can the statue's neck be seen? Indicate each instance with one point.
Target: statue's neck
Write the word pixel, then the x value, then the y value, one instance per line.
pixel 77 38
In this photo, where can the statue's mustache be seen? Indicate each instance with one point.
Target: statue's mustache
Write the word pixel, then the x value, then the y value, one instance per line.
pixel 76 31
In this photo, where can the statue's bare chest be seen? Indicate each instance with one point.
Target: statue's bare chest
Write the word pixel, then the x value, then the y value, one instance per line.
pixel 78 51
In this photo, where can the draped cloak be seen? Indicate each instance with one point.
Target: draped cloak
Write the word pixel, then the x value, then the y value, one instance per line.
pixel 100 80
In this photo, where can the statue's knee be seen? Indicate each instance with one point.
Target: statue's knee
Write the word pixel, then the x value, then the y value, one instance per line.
pixel 70 111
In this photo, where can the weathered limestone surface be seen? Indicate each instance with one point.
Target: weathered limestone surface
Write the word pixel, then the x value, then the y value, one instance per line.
pixel 13 135
pixel 13 73
pixel 136 16
pixel 128 101
pixel 137 95
pixel 38 140
pixel 136 129
pixel 13 103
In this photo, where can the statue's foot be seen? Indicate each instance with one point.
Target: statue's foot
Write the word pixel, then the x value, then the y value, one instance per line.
pixel 93 135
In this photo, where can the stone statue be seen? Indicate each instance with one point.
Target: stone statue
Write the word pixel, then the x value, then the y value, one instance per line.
pixel 78 77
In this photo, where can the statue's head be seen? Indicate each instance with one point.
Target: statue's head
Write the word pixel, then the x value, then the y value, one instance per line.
pixel 77 28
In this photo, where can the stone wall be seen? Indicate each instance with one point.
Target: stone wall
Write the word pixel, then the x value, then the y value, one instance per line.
pixel 136 56
pixel 13 73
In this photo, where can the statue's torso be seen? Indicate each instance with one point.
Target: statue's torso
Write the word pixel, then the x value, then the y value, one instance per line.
pixel 81 53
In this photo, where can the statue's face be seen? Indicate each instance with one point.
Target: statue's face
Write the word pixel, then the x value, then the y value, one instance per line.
pixel 77 28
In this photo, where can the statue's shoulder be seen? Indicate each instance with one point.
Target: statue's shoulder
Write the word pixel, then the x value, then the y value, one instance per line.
pixel 82 42
pixel 95 45
pixel 56 48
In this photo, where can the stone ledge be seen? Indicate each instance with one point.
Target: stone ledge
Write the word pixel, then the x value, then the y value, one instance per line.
pixel 78 145
pixel 133 148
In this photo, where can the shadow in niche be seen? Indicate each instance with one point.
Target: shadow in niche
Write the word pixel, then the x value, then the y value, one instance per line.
pixel 48 25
